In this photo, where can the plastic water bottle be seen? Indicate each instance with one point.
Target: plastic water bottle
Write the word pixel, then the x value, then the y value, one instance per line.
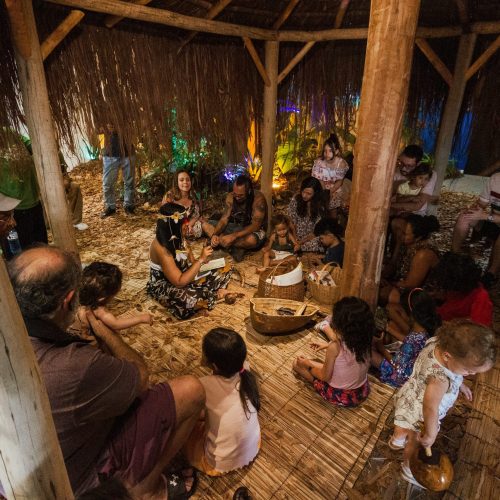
pixel 13 240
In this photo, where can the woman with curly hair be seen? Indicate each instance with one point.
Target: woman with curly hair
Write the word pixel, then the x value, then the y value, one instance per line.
pixel 457 278
pixel 342 378
pixel 305 210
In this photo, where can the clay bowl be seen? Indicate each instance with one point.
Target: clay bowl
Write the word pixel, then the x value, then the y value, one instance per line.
pixel 434 472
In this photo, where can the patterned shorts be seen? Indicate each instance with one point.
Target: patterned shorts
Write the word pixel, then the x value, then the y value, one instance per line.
pixel 342 397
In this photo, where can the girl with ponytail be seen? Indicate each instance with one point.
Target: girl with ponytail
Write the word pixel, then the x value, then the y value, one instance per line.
pixel 395 369
pixel 229 436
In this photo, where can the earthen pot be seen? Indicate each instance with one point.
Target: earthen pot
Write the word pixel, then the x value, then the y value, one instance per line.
pixel 432 469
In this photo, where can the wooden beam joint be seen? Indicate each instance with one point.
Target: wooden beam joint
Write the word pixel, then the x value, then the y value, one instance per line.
pixel 483 58
pixel 58 35
pixel 434 59
pixel 256 59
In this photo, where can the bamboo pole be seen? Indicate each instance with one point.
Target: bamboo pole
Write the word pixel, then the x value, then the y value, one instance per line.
pixel 169 18
pixel 386 78
pixel 256 59
pixel 434 59
pixel 452 110
pixel 18 28
pixel 285 14
pixel 483 58
pixel 41 131
pixel 463 14
pixel 112 21
pixel 212 13
pixel 58 35
pixel 31 462
pixel 269 125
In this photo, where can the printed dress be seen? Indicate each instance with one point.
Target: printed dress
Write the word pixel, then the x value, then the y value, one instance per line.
pixel 304 226
pixel 398 372
pixel 183 302
pixel 408 412
pixel 328 172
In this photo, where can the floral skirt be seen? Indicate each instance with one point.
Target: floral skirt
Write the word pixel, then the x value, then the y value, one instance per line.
pixel 342 397
pixel 183 302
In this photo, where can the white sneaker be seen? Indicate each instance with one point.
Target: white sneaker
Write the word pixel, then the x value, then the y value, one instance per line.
pixel 81 226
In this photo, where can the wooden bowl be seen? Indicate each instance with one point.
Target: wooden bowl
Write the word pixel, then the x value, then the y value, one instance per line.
pixel 434 472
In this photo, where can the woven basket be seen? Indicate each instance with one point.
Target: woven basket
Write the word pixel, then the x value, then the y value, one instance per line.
pixel 268 290
pixel 326 294
pixel 266 319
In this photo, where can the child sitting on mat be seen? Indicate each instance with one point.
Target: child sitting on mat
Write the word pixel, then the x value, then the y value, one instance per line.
pixel 460 348
pixel 329 232
pixel 229 436
pixel 282 243
pixel 424 320
pixel 100 283
pixel 342 379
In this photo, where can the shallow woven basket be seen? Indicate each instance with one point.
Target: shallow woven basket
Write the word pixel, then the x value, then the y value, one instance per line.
pixel 289 292
pixel 266 319
pixel 326 294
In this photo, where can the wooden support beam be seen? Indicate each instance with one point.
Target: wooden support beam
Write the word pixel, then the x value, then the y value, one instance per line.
pixel 269 124
pixel 58 35
pixel 463 13
pixel 256 59
pixel 168 18
pixel 43 139
pixel 483 58
pixel 309 45
pixel 451 111
pixel 434 59
pixel 112 21
pixel 295 60
pixel 386 78
pixel 285 14
pixel 213 12
pixel 18 28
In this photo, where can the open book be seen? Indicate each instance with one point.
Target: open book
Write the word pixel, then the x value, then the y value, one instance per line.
pixel 209 266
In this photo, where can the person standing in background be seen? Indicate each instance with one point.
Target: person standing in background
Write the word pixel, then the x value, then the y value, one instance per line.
pixel 115 155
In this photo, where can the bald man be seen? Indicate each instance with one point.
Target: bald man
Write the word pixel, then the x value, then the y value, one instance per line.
pixel 109 421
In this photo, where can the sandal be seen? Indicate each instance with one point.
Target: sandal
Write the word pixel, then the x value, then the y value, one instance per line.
pixel 396 444
pixel 242 493
pixel 175 482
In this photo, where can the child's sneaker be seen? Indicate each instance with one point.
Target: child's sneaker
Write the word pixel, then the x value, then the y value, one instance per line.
pixel 407 475
pixel 320 327
pixel 397 444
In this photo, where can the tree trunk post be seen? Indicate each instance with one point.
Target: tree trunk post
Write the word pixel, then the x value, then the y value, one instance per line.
pixel 269 125
pixel 41 130
pixel 31 464
pixel 451 111
pixel 391 37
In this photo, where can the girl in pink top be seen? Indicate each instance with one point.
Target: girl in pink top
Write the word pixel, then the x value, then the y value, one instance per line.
pixel 342 378
pixel 228 438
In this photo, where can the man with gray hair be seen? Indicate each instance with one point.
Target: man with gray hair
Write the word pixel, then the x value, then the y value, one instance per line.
pixel 109 421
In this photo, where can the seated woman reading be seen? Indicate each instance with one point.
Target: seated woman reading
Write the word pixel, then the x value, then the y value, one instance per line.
pixel 174 280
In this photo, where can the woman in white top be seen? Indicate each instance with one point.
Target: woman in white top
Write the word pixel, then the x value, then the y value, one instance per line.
pixel 228 437
pixel 330 170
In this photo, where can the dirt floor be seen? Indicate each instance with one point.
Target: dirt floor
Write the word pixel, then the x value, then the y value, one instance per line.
pixel 295 423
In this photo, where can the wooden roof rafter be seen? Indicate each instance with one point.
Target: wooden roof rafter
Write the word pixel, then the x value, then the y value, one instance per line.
pixel 111 21
pixel 435 60
pixel 169 18
pixel 58 35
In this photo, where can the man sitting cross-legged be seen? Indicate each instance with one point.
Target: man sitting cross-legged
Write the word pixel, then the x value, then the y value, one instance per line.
pixel 110 422
pixel 244 221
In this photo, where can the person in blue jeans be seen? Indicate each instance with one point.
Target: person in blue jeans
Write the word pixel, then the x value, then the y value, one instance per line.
pixel 115 155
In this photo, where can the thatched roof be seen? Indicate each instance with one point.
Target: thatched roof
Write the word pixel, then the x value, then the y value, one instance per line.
pixel 133 75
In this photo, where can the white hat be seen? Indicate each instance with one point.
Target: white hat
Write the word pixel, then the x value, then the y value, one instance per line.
pixel 7 203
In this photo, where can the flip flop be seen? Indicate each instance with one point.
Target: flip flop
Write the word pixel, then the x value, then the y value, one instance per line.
pixel 175 483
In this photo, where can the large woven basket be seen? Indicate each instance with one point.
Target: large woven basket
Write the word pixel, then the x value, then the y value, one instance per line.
pixel 289 292
pixel 326 294
pixel 266 318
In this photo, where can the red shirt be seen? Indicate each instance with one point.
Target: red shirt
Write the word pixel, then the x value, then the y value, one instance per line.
pixel 476 305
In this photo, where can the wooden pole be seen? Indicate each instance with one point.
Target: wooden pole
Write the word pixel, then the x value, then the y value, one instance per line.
pixel 41 130
pixel 18 27
pixel 483 58
pixel 435 60
pixel 169 18
pixel 31 462
pixel 451 111
pixel 256 59
pixel 269 125
pixel 386 77
pixel 112 21
pixel 58 35
pixel 285 14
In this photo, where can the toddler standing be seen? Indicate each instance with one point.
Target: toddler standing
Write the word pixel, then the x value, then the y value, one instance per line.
pixel 342 379
pixel 100 283
pixel 229 436
pixel 460 348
